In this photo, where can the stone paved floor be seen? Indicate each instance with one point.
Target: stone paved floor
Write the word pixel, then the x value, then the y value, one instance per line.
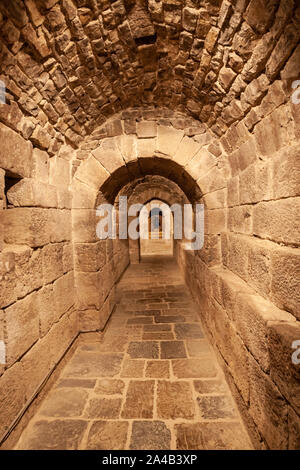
pixel 152 382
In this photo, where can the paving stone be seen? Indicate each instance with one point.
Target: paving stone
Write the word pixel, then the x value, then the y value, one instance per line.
pixel 107 435
pixel 139 400
pixel 140 321
pixel 210 386
pixel 53 435
pixel 113 344
pixel 85 364
pixel 76 383
pixel 133 368
pixel 143 349
pixel 64 403
pixel 188 331
pixel 172 349
pixel 147 435
pixel 175 400
pixel 158 335
pixel 212 436
pixel 103 408
pixel 193 368
pixel 110 386
pixel 198 348
pixel 157 328
pixel 216 407
pixel 168 319
pixel 158 369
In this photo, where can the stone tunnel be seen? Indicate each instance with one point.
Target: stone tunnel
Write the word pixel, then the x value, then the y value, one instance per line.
pixel 186 102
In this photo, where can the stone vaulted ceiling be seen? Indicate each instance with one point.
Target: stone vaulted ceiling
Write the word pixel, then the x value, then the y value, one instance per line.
pixel 73 63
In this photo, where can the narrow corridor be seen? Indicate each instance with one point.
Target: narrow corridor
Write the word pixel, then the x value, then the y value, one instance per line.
pixel 152 382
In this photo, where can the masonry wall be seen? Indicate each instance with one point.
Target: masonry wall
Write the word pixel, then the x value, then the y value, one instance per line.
pixel 246 278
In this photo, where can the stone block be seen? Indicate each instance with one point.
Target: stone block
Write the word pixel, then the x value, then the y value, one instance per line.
pixel 64 294
pixel 27 226
pixel 52 262
pixel 267 408
pixel 284 371
pixel 127 147
pixel 233 191
pixel 109 157
pixel 294 430
pixel 286 172
pixel 28 192
pixel 146 129
pixel 46 306
pixel 11 403
pixel 215 200
pixel 68 262
pixel 285 288
pixel 22 326
pixel 239 219
pixel 88 290
pixel 59 171
pixel 83 196
pixel 186 150
pixel 84 222
pixel 146 147
pixel 168 140
pixel 237 255
pixel 15 153
pixel 278 220
pixel 259 276
pixel 92 173
pixel 214 221
pixel 253 314
pixel 40 166
pixel 90 256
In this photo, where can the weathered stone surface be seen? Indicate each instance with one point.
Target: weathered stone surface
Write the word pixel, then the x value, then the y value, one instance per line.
pixel 94 365
pixel 139 400
pixel 56 435
pixel 103 408
pixel 172 349
pixel 285 279
pixel 16 153
pixel 212 436
pixel 107 435
pixel 64 403
pixel 283 357
pixel 12 402
pixel 175 400
pixel 210 386
pixel 193 368
pixel 110 386
pixel 216 407
pixel 267 408
pixel 22 326
pixel 188 331
pixel 133 368
pixel 157 369
pixel 150 435
pixel 146 129
pixel 146 349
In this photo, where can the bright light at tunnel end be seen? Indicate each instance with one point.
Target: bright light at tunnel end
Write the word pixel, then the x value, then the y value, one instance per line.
pixel 132 222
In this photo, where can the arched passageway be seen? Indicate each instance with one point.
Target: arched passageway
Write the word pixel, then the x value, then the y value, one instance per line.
pixel 191 102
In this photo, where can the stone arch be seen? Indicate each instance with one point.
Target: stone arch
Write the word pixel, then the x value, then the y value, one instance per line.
pixel 145 190
pixel 107 169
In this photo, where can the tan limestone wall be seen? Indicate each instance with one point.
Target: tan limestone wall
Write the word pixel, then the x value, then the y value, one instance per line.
pixel 38 313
